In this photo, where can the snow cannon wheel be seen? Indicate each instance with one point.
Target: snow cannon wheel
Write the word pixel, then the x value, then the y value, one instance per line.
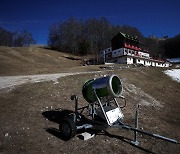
pixel 68 128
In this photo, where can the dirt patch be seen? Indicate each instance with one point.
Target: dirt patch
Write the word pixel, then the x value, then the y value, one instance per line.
pixel 26 128
pixel 13 81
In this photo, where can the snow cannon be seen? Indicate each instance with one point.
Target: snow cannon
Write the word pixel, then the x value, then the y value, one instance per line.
pixel 105 86
pixel 102 112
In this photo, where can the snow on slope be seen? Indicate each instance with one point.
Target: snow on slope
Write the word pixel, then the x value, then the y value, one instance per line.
pixel 174 60
pixel 174 74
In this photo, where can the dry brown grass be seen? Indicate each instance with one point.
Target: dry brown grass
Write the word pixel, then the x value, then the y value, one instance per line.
pixel 29 131
pixel 24 129
pixel 34 60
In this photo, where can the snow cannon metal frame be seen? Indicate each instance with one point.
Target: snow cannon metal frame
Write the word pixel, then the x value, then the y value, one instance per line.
pixel 103 110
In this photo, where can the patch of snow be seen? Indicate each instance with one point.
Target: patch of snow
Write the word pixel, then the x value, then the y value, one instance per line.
pixel 109 63
pixel 174 60
pixel 174 74
pixel 145 103
pixel 6 135
pixel 177 66
pixel 140 96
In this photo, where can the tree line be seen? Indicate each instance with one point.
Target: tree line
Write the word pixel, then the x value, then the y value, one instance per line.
pixel 89 36
pixel 93 35
pixel 171 47
pixel 15 39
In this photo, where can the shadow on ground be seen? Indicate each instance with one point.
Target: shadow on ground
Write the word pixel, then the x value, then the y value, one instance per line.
pixel 124 139
pixel 58 115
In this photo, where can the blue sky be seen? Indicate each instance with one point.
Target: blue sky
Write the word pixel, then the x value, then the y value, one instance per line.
pixel 151 17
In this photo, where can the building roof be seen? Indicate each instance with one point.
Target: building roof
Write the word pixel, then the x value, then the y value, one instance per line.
pixel 129 37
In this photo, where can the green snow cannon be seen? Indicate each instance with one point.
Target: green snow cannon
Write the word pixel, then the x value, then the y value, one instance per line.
pixel 105 86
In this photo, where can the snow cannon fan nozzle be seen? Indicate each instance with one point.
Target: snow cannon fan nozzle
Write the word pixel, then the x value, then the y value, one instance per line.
pixel 105 86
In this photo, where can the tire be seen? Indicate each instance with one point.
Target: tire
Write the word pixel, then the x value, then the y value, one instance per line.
pixel 68 128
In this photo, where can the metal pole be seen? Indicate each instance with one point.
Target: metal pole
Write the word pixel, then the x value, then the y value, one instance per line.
pixel 74 97
pixel 150 134
pixel 104 57
pixel 76 107
pixel 135 142
pixel 136 124
pixel 102 109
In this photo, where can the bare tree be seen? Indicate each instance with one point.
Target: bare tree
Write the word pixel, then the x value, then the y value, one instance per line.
pixel 17 38
pixel 6 37
pixel 23 38
pixel 94 34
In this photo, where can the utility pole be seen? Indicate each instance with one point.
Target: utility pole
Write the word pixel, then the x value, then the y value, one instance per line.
pixel 104 56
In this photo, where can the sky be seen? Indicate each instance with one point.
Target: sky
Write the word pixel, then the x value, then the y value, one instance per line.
pixel 151 17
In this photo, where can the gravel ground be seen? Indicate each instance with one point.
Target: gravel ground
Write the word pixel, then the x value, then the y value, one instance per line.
pixel 12 81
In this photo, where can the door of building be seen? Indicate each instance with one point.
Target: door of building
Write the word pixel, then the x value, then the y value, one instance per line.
pixel 134 60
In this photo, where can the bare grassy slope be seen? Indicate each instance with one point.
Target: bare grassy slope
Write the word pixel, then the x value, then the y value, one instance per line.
pixel 30 113
pixel 34 60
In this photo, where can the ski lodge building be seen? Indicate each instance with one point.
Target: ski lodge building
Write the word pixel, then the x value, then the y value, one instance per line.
pixel 126 50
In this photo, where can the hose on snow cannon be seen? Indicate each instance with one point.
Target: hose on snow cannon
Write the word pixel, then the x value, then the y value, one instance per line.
pixel 105 86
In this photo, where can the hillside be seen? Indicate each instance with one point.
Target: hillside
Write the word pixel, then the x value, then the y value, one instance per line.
pixel 30 111
pixel 34 60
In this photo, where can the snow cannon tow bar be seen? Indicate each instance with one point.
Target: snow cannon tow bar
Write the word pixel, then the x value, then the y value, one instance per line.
pixel 103 110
